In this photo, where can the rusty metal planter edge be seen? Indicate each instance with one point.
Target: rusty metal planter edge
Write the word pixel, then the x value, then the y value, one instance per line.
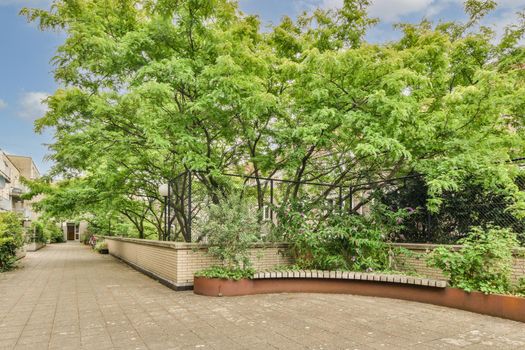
pixel 504 306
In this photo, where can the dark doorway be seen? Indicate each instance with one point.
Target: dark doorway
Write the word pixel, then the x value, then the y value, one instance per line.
pixel 70 232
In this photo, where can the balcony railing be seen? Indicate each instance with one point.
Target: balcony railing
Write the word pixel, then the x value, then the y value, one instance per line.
pixel 17 191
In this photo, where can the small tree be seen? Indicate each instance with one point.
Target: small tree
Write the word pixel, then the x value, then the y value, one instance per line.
pixel 484 263
pixel 230 228
pixel 11 238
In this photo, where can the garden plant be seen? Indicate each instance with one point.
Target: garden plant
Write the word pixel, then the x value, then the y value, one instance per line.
pixel 36 233
pixel 231 229
pixel 483 263
pixel 101 247
pixel 11 239
pixel 341 241
pixel 53 232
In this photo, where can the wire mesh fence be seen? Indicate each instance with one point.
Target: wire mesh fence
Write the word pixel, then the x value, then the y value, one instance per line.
pixel 458 213
pixel 191 194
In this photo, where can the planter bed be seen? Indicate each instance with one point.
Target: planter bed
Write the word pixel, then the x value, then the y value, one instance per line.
pixel 34 246
pixel 386 286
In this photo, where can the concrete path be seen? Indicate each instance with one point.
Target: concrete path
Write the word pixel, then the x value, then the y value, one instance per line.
pixel 69 297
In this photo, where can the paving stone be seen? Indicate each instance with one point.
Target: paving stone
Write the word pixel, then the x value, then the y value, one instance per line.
pixel 67 297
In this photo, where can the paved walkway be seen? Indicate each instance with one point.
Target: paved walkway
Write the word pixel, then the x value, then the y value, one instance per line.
pixel 69 297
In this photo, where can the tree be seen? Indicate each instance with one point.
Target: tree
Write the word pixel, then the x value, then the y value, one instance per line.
pixel 153 89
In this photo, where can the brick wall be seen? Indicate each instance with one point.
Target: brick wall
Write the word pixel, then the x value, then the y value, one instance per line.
pixel 416 261
pixel 177 262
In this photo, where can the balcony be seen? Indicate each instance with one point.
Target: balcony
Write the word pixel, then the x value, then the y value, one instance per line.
pixel 5 172
pixel 5 204
pixel 17 191
pixel 24 212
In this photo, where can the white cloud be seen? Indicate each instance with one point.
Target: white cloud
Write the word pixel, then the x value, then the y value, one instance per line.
pixel 500 22
pixel 31 105
pixel 3 104
pixel 392 10
pixel 438 6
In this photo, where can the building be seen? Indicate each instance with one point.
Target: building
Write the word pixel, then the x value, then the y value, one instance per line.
pixel 12 170
pixel 74 231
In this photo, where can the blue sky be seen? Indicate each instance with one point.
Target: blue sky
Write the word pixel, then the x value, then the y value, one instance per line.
pixel 26 73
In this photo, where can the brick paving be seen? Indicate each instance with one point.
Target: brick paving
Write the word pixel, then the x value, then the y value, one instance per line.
pixel 69 297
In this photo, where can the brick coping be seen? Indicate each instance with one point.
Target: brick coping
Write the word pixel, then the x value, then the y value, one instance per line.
pixel 349 275
pixel 189 246
pixel 182 245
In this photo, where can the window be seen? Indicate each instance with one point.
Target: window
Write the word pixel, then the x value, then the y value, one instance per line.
pixel 267 213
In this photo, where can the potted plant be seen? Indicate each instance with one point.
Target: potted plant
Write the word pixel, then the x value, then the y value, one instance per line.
pixel 102 247
pixel 231 229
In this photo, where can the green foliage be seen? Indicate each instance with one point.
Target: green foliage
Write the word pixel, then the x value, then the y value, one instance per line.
pixel 45 230
pixel 158 88
pixel 484 263
pixel 520 287
pixel 54 232
pixel 340 241
pixel 86 238
pixel 11 238
pixel 101 246
pixel 230 229
pixel 36 233
pixel 470 205
pixel 226 273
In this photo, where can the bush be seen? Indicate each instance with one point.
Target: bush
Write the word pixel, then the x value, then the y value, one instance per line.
pixel 484 263
pixel 54 232
pixel 226 273
pixel 339 241
pixel 101 246
pixel 36 233
pixel 86 238
pixel 520 287
pixel 231 228
pixel 11 238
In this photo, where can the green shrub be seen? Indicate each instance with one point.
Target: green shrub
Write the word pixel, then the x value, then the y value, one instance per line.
pixel 54 232
pixel 101 246
pixel 36 233
pixel 226 273
pixel 44 231
pixel 11 238
pixel 86 238
pixel 484 263
pixel 339 241
pixel 520 287
pixel 230 229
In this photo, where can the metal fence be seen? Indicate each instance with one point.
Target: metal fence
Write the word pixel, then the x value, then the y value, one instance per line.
pixel 189 195
pixel 458 213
